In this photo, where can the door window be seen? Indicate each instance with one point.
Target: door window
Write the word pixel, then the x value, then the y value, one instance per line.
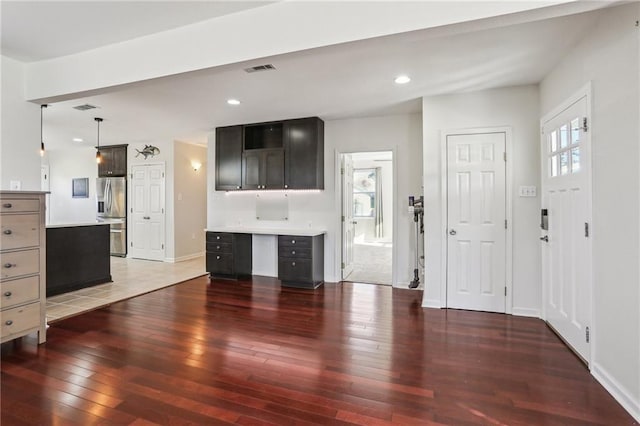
pixel 564 148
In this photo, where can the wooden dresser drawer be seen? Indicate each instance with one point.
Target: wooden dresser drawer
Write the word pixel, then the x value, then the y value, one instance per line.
pixel 294 252
pixel 220 263
pixel 17 320
pixel 19 230
pixel 220 248
pixel 20 291
pixel 18 263
pixel 219 237
pixel 18 206
pixel 294 241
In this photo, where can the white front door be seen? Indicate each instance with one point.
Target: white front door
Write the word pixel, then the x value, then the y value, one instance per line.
pixel 147 211
pixel 566 252
pixel 476 221
pixel 348 224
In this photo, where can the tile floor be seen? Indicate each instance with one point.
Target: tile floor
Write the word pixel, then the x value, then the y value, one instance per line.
pixel 131 277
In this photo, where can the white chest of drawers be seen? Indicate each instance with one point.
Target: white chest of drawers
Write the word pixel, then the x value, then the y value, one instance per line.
pixel 22 265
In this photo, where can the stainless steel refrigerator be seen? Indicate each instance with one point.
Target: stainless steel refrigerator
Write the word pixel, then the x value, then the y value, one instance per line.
pixel 111 195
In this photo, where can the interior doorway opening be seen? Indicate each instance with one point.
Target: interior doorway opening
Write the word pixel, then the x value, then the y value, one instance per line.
pixel 367 217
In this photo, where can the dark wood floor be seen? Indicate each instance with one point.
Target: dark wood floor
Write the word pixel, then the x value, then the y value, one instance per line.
pixel 252 353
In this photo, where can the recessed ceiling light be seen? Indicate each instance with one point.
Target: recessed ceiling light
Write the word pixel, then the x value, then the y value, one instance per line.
pixel 402 79
pixel 233 102
pixel 77 139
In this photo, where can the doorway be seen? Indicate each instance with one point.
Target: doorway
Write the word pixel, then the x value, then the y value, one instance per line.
pixel 147 211
pixel 367 217
pixel 477 220
pixel 565 222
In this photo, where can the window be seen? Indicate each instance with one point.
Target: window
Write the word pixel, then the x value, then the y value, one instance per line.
pixel 364 192
pixel 564 149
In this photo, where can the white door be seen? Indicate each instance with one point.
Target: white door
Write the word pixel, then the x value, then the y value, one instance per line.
pixel 476 221
pixel 348 224
pixel 566 252
pixel 147 211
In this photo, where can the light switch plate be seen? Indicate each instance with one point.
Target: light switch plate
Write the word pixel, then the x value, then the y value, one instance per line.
pixel 15 185
pixel 528 191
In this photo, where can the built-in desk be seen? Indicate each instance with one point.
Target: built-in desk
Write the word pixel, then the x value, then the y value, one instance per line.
pixel 300 254
pixel 78 256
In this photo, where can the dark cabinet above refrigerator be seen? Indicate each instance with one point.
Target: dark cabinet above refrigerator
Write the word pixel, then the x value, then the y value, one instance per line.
pixel 114 161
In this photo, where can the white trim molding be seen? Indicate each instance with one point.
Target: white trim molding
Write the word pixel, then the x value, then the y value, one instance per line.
pixel 183 258
pixel 622 395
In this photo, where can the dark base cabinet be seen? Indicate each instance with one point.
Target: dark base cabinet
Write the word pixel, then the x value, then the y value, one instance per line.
pixel 301 261
pixel 228 255
pixel 77 257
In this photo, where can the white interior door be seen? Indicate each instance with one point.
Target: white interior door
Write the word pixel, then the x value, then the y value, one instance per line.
pixel 348 224
pixel 566 252
pixel 147 211
pixel 476 221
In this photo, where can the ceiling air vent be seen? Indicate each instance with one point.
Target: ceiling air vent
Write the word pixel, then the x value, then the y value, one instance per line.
pixel 84 107
pixel 258 68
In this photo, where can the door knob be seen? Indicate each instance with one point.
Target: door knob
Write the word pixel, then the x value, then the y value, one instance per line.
pixel 452 232
pixel 545 238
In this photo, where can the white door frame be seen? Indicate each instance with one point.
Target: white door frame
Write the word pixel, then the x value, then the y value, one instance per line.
pixel 338 200
pixel 508 214
pixel 584 92
pixel 130 203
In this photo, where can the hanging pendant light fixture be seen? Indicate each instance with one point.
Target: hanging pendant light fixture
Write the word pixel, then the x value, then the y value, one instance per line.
pixel 42 107
pixel 98 155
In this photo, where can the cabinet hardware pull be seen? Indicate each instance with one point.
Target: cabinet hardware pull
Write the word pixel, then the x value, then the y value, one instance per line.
pixel 293 252
pixel 7 232
pixel 7 294
pixel 286 186
pixel 217 247
pixel 218 237
pixel 293 241
pixel 8 322
pixel 238 187
pixel 218 257
pixel 293 263
pixel 9 265
pixel 7 205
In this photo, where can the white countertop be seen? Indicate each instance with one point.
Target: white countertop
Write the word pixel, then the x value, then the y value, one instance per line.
pixel 298 232
pixel 73 225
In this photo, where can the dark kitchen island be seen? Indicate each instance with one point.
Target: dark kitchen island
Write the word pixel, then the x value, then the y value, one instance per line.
pixel 77 257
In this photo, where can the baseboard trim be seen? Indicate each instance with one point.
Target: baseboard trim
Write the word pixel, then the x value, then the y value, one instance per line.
pixel 183 258
pixel 526 312
pixel 616 390
pixel 432 303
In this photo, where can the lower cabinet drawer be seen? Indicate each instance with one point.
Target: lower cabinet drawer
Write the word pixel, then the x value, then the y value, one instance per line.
pixel 19 205
pixel 294 270
pixel 17 292
pixel 294 252
pixel 220 247
pixel 294 241
pixel 19 231
pixel 220 263
pixel 17 263
pixel 17 320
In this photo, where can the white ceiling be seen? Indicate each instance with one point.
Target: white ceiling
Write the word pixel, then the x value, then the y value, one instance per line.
pixel 341 81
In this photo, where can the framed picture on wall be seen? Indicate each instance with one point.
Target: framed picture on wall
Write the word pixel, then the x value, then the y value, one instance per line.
pixel 80 188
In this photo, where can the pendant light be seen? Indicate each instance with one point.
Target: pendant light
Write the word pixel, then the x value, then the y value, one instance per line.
pixel 42 107
pixel 98 155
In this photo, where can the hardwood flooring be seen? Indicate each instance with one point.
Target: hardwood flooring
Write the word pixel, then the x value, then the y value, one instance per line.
pixel 252 353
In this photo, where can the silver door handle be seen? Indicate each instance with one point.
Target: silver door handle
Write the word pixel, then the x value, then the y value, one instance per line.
pixel 545 238
pixel 452 232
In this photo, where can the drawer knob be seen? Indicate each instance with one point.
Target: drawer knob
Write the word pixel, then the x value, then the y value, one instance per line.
pixel 8 322
pixel 218 237
pixel 217 247
pixel 7 232
pixel 7 205
pixel 286 186
pixel 9 265
pixel 293 263
pixel 293 241
pixel 237 186
pixel 218 257
pixel 7 294
pixel 293 252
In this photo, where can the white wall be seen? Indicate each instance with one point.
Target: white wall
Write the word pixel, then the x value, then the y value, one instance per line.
pixel 608 57
pixel 322 210
pixel 515 107
pixel 190 200
pixel 20 144
pixel 65 165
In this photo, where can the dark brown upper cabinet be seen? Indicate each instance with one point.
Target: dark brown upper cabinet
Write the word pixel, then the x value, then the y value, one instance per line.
pixel 114 161
pixel 276 155
pixel 304 154
pixel 228 158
